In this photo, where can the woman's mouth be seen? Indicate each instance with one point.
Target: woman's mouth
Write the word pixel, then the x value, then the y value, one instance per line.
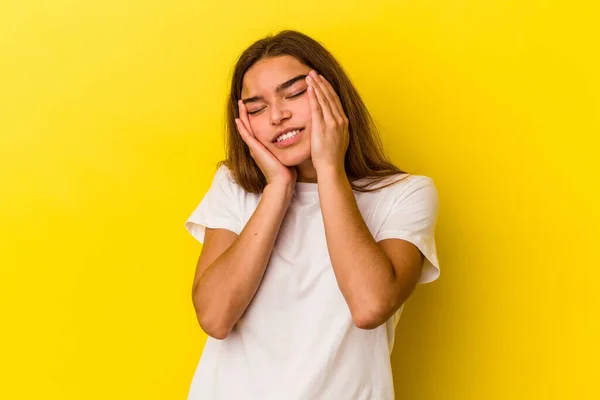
pixel 288 139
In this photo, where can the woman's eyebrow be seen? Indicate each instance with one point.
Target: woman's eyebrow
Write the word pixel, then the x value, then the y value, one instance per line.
pixel 279 88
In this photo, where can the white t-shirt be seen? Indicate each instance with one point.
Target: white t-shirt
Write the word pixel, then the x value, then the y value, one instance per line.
pixel 297 340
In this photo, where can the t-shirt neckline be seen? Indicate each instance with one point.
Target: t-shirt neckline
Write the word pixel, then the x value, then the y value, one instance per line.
pixel 311 188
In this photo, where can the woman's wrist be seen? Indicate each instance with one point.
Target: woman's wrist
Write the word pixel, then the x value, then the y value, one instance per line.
pixel 331 172
pixel 282 190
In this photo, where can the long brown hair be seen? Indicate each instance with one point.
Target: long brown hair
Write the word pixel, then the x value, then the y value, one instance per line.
pixel 365 156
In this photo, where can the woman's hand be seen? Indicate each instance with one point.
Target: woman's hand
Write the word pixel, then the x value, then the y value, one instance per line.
pixel 329 137
pixel 273 170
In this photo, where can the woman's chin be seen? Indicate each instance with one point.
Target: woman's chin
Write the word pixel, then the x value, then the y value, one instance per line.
pixel 293 159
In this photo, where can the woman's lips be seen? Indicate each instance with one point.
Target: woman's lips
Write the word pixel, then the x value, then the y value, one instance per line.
pixel 290 141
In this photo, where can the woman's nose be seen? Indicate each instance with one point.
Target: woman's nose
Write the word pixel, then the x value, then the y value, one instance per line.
pixel 278 113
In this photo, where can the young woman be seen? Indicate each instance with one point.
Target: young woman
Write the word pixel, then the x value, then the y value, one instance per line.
pixel 312 239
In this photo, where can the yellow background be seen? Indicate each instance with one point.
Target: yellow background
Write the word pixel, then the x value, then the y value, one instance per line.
pixel 111 119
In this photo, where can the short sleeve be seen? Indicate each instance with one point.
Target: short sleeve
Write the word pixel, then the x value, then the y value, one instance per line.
pixel 219 207
pixel 412 217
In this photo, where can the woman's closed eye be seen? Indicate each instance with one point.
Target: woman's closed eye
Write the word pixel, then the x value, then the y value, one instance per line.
pixel 297 94
pixel 294 96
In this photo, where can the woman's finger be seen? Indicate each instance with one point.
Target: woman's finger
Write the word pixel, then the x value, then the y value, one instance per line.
pixel 316 114
pixel 244 117
pixel 246 137
pixel 329 98
pixel 323 102
pixel 336 99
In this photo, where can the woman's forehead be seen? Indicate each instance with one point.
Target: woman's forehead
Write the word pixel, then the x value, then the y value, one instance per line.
pixel 266 75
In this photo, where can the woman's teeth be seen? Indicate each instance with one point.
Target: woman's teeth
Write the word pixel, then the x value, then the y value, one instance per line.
pixel 288 135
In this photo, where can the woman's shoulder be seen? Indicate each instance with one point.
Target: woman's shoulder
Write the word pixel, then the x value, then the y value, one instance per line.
pixel 394 182
pixel 225 176
pixel 224 181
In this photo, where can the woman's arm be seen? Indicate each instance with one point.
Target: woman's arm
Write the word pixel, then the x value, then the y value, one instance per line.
pixel 225 283
pixel 375 279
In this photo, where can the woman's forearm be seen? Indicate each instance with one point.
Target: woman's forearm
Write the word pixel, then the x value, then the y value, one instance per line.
pixel 365 275
pixel 228 285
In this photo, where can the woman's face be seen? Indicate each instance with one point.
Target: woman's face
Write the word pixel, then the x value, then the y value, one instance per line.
pixel 274 92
